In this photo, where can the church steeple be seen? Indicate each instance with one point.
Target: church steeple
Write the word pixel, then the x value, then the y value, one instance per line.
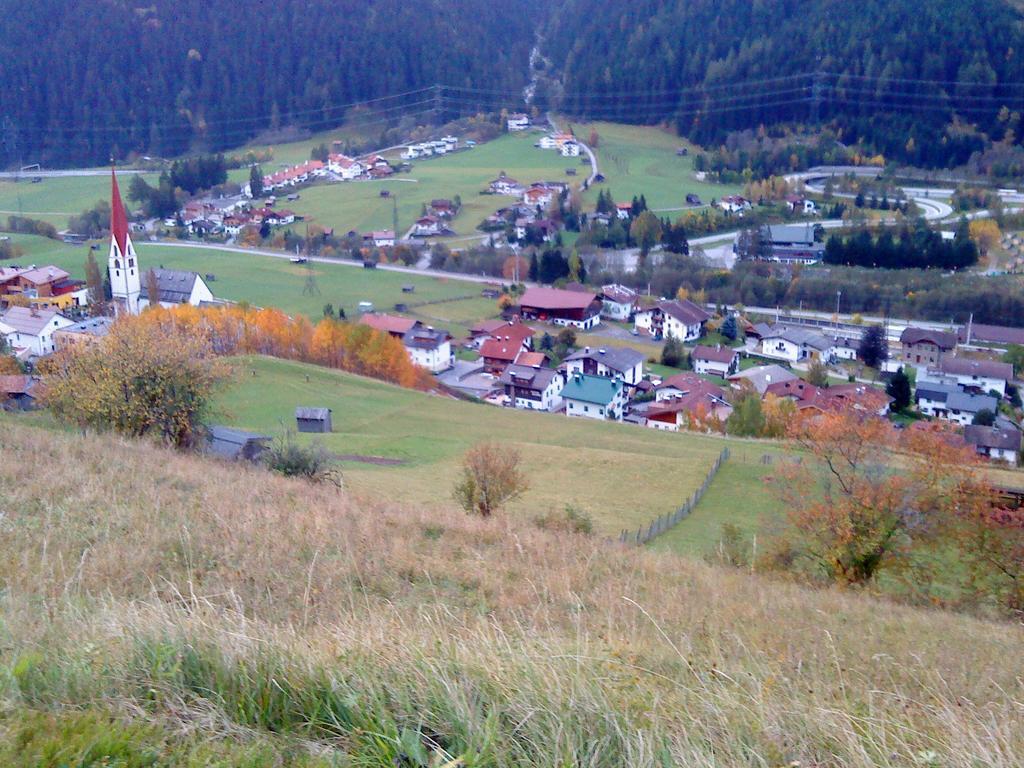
pixel 122 264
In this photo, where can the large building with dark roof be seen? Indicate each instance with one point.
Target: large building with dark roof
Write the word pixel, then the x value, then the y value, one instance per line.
pixel 577 309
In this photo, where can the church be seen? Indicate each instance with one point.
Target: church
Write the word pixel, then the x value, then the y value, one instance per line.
pixel 130 285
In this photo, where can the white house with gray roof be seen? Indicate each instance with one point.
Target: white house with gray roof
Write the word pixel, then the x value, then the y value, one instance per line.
pixel 793 344
pixel 626 363
pixel 32 329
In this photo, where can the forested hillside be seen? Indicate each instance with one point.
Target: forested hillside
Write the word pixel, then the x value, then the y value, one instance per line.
pixel 888 70
pixel 84 79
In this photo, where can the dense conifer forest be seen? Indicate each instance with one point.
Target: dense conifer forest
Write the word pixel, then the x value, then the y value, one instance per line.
pixel 926 83
pixel 84 79
pixel 904 76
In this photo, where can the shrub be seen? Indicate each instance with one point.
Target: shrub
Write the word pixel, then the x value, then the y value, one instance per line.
pixel 491 477
pixel 571 520
pixel 312 462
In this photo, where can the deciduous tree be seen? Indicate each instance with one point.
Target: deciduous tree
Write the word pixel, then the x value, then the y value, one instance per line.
pixel 491 477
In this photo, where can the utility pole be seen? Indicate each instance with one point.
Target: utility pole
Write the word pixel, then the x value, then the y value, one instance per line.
pixel 394 216
pixel 817 90
pixel 438 95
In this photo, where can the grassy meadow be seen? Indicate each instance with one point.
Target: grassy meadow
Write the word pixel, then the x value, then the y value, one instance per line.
pixel 213 614
pixel 359 206
pixel 56 199
pixel 620 475
pixel 642 160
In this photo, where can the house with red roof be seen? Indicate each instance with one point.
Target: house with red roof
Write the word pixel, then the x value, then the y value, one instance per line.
pixel 504 345
pixel 576 309
pixel 344 166
pixel 392 324
pixel 686 401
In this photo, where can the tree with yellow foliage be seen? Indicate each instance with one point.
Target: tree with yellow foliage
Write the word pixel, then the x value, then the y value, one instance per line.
pixel 986 233
pixel 143 379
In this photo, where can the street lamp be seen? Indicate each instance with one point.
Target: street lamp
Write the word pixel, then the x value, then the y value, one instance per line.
pixel 839 295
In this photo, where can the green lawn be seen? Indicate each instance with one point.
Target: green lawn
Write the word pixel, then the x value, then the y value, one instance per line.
pixel 639 160
pixel 359 206
pixel 55 200
pixel 274 282
pixel 619 474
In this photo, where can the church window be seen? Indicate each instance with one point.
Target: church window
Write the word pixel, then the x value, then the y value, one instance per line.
pixel 131 262
pixel 117 263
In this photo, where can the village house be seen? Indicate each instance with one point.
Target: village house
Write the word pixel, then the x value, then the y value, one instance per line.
pixel 529 385
pixel 47 287
pixel 570 149
pixel 393 325
pixel 684 401
pixel 623 211
pixel 923 346
pixel 799 204
pixel 715 361
pixel 538 196
pixel 979 334
pixel 517 121
pixel 345 167
pixel 613 362
pixel 679 319
pixel 734 204
pixel 442 208
pixel 794 344
pixel 505 185
pixel 859 397
pixel 504 345
pixel 176 287
pixel 793 244
pixel 429 348
pixel 383 238
pixel 844 348
pixel 618 302
pixel 997 443
pixel 759 378
pixel 19 392
pixel 88 331
pixel 480 331
pixel 974 375
pixel 427 226
pixel 951 403
pixel 567 308
pixel 594 397
pixel 32 328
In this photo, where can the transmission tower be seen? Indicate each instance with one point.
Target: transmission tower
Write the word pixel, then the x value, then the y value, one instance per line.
pixel 310 288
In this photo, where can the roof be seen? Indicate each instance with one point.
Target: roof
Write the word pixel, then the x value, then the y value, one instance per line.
pixel 501 349
pixel 998 334
pixel 235 436
pixel 313 414
pixel 94 326
pixel 961 366
pixel 619 359
pixel 487 327
pixel 425 338
pixel 118 217
pixel 859 396
pixel 591 389
pixel 532 359
pixel 763 375
pixel 175 285
pixel 29 321
pixel 798 389
pixel 528 376
pixel 962 401
pixel 17 384
pixel 804 337
pixel 791 233
pixel 389 323
pixel 694 393
pixel 941 339
pixel 936 391
pixel 684 311
pixel 555 298
pixel 1004 439
pixel 43 275
pixel 619 294
pixel 714 354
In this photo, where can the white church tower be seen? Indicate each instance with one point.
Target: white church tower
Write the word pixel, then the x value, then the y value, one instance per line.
pixel 123 264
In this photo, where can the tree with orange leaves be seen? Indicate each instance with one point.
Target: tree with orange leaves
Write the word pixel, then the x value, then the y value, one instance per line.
pixel 864 497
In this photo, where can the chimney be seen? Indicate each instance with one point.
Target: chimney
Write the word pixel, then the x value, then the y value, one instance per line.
pixel 586 350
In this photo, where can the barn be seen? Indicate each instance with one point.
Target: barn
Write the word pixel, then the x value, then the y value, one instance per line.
pixel 313 419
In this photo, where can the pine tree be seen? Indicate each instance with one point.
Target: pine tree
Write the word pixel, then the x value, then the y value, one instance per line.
pixel 255 181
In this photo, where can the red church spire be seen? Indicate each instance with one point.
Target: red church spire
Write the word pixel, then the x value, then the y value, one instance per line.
pixel 118 217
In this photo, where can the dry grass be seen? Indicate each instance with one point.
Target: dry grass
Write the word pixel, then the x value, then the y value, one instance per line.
pixel 220 602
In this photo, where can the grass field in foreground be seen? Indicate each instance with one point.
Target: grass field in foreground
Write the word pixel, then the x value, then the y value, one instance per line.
pixel 621 475
pixel 359 206
pixel 641 160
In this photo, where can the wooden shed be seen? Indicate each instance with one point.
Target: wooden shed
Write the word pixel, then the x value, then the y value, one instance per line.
pixel 313 419
pixel 230 443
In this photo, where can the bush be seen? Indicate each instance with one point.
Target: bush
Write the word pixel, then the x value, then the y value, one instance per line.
pixel 571 520
pixel 491 477
pixel 312 462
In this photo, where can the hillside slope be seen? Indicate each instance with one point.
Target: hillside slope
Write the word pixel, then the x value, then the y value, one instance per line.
pixel 98 78
pixel 170 611
pixel 891 70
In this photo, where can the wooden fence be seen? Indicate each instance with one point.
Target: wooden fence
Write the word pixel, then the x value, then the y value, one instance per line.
pixel 662 523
